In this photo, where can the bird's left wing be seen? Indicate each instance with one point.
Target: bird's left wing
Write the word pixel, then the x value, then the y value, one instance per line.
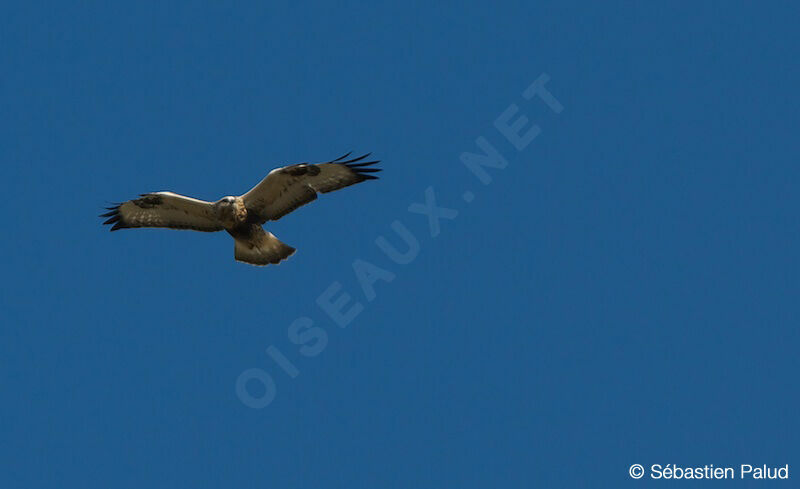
pixel 163 210
pixel 285 189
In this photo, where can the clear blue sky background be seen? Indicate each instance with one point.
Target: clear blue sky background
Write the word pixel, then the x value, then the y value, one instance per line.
pixel 625 291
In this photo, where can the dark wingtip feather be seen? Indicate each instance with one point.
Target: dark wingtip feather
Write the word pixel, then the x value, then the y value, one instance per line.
pixel 357 159
pixel 361 169
pixel 342 157
pixel 361 165
pixel 358 166
pixel 114 217
pixel 351 161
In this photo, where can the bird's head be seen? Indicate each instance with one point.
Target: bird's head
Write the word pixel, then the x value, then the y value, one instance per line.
pixel 230 210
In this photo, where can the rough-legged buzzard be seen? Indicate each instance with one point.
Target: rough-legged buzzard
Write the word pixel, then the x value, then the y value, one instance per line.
pixel 282 191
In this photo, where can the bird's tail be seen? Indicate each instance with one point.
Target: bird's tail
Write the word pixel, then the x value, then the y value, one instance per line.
pixel 261 248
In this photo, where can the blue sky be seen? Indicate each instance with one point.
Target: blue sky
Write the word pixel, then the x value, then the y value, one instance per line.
pixel 623 291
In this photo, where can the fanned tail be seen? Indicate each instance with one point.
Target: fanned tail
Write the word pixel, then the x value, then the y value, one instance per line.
pixel 260 248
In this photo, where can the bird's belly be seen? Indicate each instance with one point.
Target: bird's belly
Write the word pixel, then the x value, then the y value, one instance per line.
pixel 243 231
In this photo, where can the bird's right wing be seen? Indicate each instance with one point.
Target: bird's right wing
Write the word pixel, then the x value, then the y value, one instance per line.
pixel 285 189
pixel 164 210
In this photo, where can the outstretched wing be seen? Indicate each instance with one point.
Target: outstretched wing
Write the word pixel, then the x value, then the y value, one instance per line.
pixel 163 210
pixel 285 189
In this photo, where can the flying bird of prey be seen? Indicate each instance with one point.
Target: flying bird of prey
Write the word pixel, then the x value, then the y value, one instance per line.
pixel 282 191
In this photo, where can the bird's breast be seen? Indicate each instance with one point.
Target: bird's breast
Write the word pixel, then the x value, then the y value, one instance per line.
pixel 239 211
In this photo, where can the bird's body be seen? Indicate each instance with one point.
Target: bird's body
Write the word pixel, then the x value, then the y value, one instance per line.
pixel 282 191
pixel 231 212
